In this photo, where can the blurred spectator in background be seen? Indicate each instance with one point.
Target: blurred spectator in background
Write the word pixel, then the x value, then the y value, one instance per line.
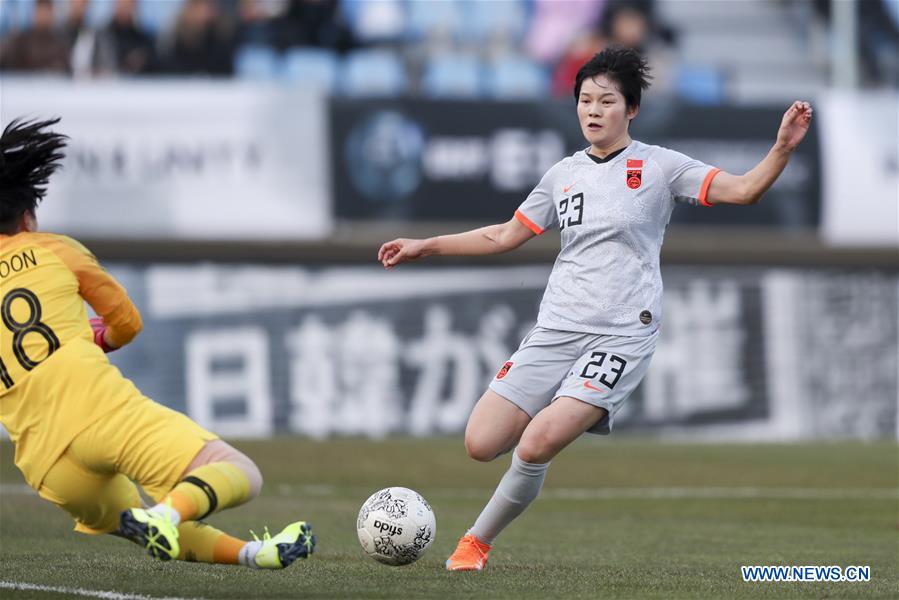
pixel 634 24
pixel 558 25
pixel 656 30
pixel 42 48
pixel 124 46
pixel 76 20
pixel 202 42
pixel 82 41
pixel 627 23
pixel 316 23
pixel 580 49
pixel 254 22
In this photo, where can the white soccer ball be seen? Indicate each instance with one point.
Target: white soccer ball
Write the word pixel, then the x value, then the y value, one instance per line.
pixel 395 526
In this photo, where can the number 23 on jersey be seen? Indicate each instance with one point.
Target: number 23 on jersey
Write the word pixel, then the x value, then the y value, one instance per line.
pixel 571 211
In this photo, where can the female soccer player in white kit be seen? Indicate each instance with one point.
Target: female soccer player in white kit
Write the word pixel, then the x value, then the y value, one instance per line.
pixel 599 319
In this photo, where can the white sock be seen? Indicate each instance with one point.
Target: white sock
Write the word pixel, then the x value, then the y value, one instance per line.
pixel 247 554
pixel 164 509
pixel 516 490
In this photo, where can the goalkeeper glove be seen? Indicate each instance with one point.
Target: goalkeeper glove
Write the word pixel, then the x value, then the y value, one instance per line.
pixel 99 328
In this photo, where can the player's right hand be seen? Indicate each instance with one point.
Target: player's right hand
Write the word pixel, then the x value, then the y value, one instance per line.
pixel 99 328
pixel 399 251
pixel 794 125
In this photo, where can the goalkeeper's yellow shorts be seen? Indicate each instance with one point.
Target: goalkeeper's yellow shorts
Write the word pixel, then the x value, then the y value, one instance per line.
pixel 141 441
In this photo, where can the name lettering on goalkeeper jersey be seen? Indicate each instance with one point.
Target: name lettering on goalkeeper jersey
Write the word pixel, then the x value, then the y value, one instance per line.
pixel 17 262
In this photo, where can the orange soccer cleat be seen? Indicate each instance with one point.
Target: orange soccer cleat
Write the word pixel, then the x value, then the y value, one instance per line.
pixel 470 555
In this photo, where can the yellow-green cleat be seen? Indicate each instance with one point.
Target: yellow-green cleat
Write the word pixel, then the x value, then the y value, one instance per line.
pixel 295 541
pixel 155 533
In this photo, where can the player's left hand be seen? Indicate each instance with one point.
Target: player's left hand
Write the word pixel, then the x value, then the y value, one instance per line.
pixel 99 328
pixel 794 125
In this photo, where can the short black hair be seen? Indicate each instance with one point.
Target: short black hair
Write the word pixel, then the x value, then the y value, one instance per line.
pixel 627 67
pixel 28 157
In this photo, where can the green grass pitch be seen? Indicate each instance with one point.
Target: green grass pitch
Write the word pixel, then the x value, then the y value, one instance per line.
pixel 618 518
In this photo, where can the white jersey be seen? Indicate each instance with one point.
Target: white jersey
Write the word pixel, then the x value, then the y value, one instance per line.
pixel 612 215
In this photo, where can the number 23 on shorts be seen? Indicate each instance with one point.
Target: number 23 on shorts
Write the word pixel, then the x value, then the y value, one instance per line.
pixel 602 368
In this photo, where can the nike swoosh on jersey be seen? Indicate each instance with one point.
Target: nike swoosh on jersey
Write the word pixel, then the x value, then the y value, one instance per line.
pixel 565 189
pixel 589 385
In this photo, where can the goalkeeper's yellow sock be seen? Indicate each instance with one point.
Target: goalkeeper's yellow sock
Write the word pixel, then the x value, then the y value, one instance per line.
pixel 206 490
pixel 202 543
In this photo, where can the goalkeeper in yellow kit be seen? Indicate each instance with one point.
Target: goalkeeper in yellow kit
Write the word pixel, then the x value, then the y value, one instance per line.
pixel 84 433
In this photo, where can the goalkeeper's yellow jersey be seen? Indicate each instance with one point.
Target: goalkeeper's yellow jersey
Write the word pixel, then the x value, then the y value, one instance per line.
pixel 54 381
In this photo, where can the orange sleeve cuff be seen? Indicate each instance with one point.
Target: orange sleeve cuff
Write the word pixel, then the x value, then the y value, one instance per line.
pixel 704 190
pixel 527 222
pixel 124 323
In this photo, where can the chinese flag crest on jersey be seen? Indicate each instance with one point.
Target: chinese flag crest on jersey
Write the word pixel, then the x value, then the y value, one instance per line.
pixel 634 173
pixel 503 370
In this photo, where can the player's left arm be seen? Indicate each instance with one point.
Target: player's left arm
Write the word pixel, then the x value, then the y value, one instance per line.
pixel 749 188
pixel 119 320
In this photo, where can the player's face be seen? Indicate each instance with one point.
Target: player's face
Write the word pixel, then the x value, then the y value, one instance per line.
pixel 603 113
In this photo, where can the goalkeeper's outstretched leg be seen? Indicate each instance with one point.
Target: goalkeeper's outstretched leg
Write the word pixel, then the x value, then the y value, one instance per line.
pixel 219 477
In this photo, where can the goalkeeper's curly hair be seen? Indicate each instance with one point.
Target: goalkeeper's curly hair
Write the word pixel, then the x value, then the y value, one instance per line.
pixel 29 154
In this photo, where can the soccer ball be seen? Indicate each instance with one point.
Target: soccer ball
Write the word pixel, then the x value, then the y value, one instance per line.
pixel 395 526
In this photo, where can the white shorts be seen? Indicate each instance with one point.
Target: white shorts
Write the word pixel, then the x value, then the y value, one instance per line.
pixel 602 370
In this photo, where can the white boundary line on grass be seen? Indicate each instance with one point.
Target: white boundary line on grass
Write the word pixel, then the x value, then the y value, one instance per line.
pixel 722 493
pixel 598 493
pixel 637 493
pixel 15 585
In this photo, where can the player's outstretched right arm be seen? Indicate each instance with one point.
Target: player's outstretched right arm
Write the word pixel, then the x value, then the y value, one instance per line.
pixel 493 239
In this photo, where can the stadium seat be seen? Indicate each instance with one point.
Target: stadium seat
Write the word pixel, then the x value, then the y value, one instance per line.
pixel 485 20
pixel 452 76
pixel 374 73
pixel 375 20
pixel 515 77
pixel 158 15
pixel 426 18
pixel 257 63
pixel 312 67
pixel 699 84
